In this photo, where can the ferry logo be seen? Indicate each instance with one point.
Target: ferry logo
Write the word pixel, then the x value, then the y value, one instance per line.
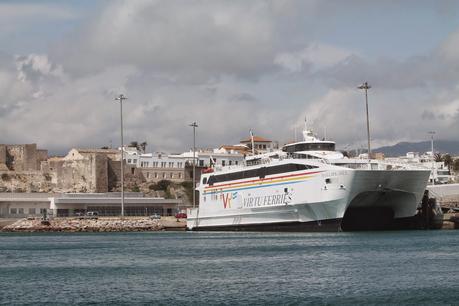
pixel 227 197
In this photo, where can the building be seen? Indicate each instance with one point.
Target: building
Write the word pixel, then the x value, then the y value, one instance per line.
pixel 261 145
pixel 131 156
pixel 178 167
pixel 440 173
pixel 161 166
pixel 20 205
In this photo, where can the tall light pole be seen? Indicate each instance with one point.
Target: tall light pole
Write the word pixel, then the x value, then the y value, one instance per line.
pixel 432 133
pixel 120 98
pixel 194 125
pixel 366 87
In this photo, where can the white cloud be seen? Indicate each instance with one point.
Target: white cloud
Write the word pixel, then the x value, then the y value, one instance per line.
pixel 315 56
pixel 232 66
pixel 38 65
pixel 195 39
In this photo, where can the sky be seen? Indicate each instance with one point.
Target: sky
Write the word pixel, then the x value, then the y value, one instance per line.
pixel 232 66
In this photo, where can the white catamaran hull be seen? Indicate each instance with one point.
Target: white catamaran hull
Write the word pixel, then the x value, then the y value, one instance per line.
pixel 306 200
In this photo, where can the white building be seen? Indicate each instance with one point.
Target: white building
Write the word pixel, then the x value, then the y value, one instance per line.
pixel 440 173
pixel 131 155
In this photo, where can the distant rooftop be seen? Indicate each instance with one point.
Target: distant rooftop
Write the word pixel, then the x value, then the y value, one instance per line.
pixel 256 139
pixel 106 151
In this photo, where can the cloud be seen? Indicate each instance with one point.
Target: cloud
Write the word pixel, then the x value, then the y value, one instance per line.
pixel 36 66
pixel 316 56
pixel 188 40
pixel 232 66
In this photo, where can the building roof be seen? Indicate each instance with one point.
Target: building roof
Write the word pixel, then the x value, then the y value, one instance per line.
pixel 255 139
pixel 239 148
pixel 106 151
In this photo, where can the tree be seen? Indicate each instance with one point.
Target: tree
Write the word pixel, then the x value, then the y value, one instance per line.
pixel 438 157
pixel 448 160
pixel 134 144
pixel 456 164
pixel 143 146
pixel 139 146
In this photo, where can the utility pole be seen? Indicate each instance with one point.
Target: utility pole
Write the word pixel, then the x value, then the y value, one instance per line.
pixel 366 86
pixel 194 125
pixel 432 133
pixel 120 98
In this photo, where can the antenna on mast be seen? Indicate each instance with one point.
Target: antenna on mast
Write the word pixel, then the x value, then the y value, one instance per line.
pixel 251 138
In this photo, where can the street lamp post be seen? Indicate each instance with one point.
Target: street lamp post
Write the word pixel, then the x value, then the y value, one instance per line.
pixel 366 86
pixel 194 125
pixel 432 133
pixel 120 98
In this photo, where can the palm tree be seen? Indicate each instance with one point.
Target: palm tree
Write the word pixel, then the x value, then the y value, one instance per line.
pixel 448 160
pixel 438 157
pixel 456 164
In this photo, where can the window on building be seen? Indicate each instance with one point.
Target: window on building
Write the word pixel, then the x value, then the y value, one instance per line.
pixel 129 161
pixel 223 163
pixel 32 211
pixel 201 163
pixel 179 175
pixel 171 164
pixel 236 162
pixel 156 175
pixel 230 162
pixel 42 210
pixel 13 211
pixel 171 175
pixel 164 174
pixel 21 211
pixel 134 161
pixel 163 164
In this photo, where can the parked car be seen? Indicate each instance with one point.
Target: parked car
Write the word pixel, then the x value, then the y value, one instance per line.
pixel 92 215
pixel 181 215
pixel 155 217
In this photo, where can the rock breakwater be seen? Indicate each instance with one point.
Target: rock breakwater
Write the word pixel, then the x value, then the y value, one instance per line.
pixel 93 225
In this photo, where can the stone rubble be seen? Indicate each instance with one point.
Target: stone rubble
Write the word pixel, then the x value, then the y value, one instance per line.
pixel 93 225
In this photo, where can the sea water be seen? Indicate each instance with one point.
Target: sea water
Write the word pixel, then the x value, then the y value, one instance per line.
pixel 196 268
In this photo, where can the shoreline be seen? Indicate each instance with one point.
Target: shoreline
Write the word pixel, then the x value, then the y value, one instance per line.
pixel 101 224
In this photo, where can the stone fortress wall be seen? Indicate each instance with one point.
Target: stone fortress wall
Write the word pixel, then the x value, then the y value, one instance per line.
pixel 23 157
pixel 24 168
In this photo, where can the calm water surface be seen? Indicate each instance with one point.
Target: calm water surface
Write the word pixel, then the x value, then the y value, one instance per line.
pixel 164 268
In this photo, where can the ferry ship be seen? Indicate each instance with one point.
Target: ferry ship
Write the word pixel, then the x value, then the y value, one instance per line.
pixel 308 186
